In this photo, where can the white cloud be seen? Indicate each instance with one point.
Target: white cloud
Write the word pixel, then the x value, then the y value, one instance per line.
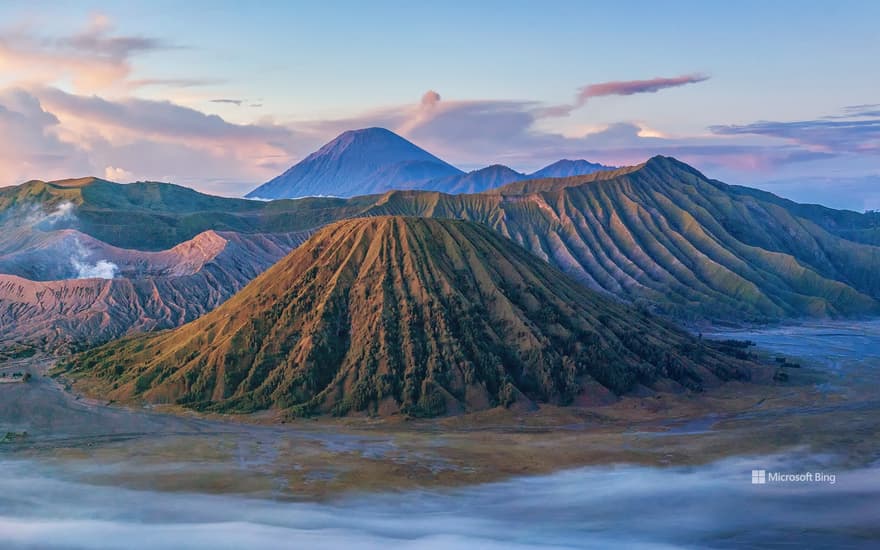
pixel 101 269
pixel 64 212
pixel 92 59
pixel 113 173
pixel 46 133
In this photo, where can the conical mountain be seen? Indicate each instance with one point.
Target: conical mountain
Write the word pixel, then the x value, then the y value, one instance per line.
pixel 422 316
pixel 660 234
pixel 566 168
pixel 476 181
pixel 357 162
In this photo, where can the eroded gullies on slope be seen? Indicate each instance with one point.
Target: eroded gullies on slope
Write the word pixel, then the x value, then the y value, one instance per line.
pixel 411 316
pixel 659 234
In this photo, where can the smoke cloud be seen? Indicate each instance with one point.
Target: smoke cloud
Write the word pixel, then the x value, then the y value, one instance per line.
pixel 430 98
pixel 64 212
pixel 101 269
pixel 79 255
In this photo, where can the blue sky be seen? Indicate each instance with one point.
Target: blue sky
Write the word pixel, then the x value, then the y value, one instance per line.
pixel 300 71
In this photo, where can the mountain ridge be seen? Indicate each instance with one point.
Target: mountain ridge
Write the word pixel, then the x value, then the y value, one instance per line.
pixel 475 181
pixel 659 233
pixel 149 291
pixel 416 315
pixel 566 168
pixel 376 160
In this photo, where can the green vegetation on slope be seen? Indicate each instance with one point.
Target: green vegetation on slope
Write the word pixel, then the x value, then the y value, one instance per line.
pixel 662 234
pixel 415 315
pixel 659 234
pixel 855 226
pixel 157 216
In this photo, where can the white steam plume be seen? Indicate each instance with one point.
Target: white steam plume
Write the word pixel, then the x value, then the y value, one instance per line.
pixel 64 212
pixel 102 269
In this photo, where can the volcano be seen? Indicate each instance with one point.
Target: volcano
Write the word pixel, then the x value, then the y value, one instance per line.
pixel 358 162
pixel 397 314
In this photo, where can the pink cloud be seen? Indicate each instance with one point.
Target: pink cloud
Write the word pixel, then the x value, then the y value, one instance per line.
pixel 631 87
pixel 622 88
pixel 29 142
pixel 46 133
pixel 93 59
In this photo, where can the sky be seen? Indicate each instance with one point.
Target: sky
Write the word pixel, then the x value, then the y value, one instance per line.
pixel 222 96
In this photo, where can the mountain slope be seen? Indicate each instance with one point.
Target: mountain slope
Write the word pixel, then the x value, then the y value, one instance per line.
pixel 863 227
pixel 143 215
pixel 476 181
pixel 418 315
pixel 152 290
pixel 663 234
pixel 566 168
pixel 357 162
pixel 660 233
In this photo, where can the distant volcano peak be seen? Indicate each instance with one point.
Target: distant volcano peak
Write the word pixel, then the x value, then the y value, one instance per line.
pixel 375 160
pixel 358 162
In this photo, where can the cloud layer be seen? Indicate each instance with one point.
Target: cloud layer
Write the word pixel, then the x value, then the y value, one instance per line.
pixel 73 107
pixel 480 132
pixel 854 132
pixel 586 507
pixel 91 59
pixel 47 133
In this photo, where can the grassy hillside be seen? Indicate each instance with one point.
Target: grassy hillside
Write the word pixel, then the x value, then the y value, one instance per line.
pixel 659 234
pixel 665 235
pixel 158 216
pixel 415 315
pixel 855 226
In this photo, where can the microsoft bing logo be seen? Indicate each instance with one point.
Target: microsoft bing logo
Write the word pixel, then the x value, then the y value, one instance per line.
pixel 759 477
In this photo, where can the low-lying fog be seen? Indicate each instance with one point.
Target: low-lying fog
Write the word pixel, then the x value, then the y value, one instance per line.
pixel 628 507
pixel 47 504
